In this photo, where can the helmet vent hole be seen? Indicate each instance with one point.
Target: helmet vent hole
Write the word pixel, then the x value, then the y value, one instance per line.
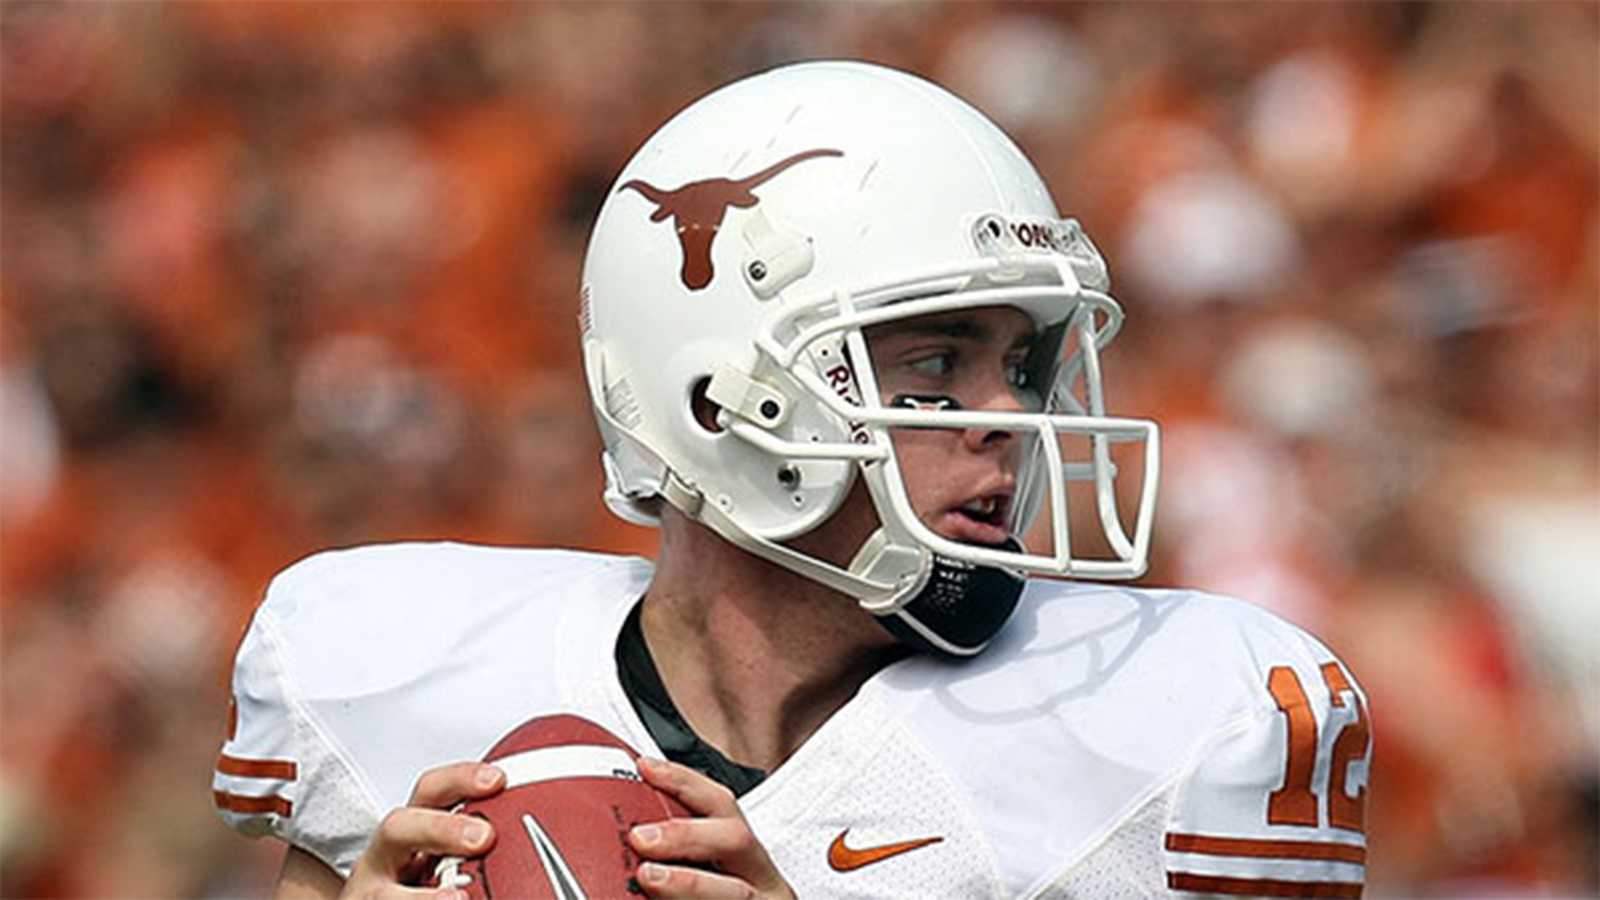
pixel 704 410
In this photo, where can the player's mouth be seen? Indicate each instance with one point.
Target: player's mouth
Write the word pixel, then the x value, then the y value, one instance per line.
pixel 982 520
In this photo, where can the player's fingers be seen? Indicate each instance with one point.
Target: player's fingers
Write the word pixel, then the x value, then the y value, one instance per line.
pixel 446 786
pixel 409 830
pixel 367 883
pixel 720 841
pixel 725 842
pixel 671 882
pixel 699 793
pixel 721 837
pixel 382 889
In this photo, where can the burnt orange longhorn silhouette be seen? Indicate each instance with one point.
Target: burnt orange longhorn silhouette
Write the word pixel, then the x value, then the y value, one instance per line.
pixel 697 210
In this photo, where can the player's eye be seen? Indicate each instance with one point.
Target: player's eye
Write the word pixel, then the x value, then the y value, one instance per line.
pixel 1031 367
pixel 1027 381
pixel 932 365
pixel 1017 374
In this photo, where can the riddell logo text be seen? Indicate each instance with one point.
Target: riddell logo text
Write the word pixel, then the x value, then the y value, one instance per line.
pixel 1036 234
pixel 697 210
pixel 843 382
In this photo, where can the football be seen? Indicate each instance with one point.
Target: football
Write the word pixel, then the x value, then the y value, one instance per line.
pixel 573 792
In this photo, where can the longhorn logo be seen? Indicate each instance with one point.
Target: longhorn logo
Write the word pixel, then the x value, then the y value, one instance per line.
pixel 697 210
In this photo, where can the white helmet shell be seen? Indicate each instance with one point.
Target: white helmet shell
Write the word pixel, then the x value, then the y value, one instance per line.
pixel 740 252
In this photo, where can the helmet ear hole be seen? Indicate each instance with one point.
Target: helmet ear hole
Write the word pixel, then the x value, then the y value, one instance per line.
pixel 703 408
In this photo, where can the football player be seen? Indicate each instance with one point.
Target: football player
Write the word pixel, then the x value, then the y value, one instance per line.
pixel 844 351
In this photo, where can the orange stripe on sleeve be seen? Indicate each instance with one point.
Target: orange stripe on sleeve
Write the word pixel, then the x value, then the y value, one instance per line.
pixel 239 803
pixel 281 769
pixel 1266 849
pixel 1263 887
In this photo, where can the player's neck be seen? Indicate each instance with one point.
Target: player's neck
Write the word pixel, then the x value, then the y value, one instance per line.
pixel 755 657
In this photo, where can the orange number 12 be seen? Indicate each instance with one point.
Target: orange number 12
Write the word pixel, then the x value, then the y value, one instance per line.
pixel 1296 803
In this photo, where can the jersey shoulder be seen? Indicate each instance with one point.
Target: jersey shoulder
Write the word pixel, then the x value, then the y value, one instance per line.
pixel 1115 656
pixel 1272 796
pixel 1200 737
pixel 364 667
pixel 368 613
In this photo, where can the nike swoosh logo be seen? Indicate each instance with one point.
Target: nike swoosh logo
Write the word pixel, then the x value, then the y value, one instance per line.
pixel 846 859
pixel 562 881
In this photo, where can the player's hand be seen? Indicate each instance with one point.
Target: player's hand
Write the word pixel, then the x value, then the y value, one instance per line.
pixel 402 853
pixel 735 864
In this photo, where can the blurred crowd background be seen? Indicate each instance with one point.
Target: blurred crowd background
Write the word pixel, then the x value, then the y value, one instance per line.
pixel 279 276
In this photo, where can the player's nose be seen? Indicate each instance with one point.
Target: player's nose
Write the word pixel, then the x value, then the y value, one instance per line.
pixel 996 394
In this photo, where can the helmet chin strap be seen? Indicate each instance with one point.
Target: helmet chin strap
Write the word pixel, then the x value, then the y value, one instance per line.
pixel 953 610
pixel 689 501
pixel 930 602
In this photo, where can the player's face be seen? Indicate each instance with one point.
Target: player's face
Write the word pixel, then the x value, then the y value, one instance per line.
pixel 961 482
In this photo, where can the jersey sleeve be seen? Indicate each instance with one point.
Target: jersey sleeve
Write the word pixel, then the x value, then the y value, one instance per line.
pixel 1272 804
pixel 365 667
pixel 279 773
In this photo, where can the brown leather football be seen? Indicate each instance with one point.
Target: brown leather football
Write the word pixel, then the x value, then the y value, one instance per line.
pixel 572 793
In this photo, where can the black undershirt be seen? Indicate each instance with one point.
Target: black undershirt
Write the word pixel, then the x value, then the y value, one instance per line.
pixel 641 681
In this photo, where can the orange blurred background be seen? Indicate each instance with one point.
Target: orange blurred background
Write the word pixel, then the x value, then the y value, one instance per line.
pixel 278 276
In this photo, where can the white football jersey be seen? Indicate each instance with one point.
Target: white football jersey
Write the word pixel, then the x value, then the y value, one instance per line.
pixel 1112 742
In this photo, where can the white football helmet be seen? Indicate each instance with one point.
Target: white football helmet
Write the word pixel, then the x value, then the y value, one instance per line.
pixel 742 252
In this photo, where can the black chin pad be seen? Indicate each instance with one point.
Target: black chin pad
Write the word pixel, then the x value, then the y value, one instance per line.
pixel 965 605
